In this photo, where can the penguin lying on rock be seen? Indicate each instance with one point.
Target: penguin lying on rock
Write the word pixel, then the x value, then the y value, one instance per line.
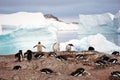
pixel 46 71
pixel 39 55
pixel 116 73
pixel 78 72
pixel 18 67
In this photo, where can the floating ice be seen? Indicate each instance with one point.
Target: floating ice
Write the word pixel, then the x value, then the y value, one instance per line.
pixel 99 42
pixel 26 38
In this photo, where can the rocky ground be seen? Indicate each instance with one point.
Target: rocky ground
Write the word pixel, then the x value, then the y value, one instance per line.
pixel 62 69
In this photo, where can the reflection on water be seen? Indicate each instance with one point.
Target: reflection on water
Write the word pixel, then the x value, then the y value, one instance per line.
pixel 64 36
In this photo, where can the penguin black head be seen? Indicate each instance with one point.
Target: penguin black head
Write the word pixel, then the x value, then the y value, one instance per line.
pixel 70 44
pixel 39 42
pixel 18 67
pixel 91 48
pixel 20 51
pixel 46 71
pixel 29 51
pixel 78 72
pixel 117 53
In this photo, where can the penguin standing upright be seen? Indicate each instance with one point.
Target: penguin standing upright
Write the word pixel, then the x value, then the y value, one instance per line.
pixel 56 47
pixel 39 47
pixel 29 55
pixel 19 55
pixel 69 47
pixel 91 48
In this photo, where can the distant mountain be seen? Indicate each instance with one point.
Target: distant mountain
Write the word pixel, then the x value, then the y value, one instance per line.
pixel 51 16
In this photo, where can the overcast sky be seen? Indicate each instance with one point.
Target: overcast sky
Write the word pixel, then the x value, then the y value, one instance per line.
pixel 64 9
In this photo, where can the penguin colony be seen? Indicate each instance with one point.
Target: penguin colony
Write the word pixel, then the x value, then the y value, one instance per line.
pixel 102 61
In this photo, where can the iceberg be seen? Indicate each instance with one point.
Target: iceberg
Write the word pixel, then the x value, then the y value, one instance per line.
pixel 97 23
pixel 26 18
pixel 106 24
pixel 22 18
pixel 117 21
pixel 98 41
pixel 25 38
pixel 23 30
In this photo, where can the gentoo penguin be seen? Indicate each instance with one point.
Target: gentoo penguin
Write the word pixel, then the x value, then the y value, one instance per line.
pixel 69 47
pixel 52 54
pixel 116 53
pixel 39 47
pixel 79 56
pixel 56 47
pixel 116 73
pixel 18 67
pixel 39 55
pixel 46 71
pixel 19 55
pixel 29 55
pixel 91 48
pixel 113 60
pixel 105 58
pixel 100 62
pixel 62 58
pixel 78 72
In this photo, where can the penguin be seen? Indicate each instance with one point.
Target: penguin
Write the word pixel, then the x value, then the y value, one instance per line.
pixel 39 47
pixel 39 55
pixel 56 47
pixel 69 47
pixel 105 58
pixel 52 54
pixel 79 56
pixel 62 58
pixel 29 55
pixel 19 55
pixel 18 67
pixel 116 53
pixel 113 60
pixel 46 71
pixel 91 48
pixel 116 73
pixel 78 72
pixel 100 62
